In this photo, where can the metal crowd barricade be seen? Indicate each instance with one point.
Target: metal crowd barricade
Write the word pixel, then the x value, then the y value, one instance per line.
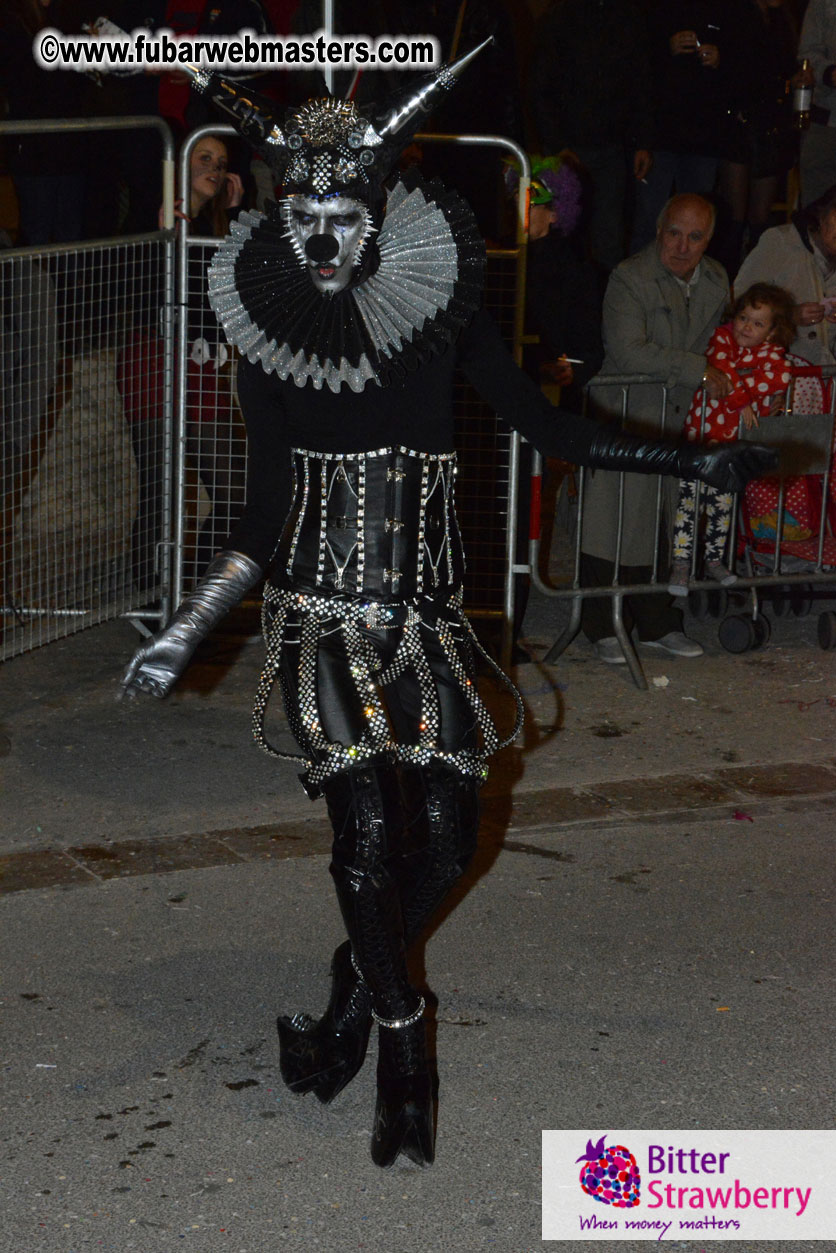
pixel 86 373
pixel 805 444
pixel 210 440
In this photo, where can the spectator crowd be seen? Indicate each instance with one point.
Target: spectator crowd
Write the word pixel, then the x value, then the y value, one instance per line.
pixel 687 148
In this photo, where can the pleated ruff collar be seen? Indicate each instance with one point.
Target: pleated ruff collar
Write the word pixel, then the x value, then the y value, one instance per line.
pixel 426 288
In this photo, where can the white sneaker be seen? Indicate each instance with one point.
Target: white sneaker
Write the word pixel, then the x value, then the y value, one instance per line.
pixel 675 644
pixel 609 650
pixel 720 573
pixel 680 574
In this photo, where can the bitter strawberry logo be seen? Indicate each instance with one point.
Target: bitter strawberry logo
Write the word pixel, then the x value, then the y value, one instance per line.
pixel 610 1174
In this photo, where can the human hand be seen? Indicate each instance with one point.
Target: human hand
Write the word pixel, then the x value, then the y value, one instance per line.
pixel 178 213
pixel 803 78
pixel 233 190
pixel 642 161
pixel 728 467
pixel 709 54
pixel 749 417
pixel 809 314
pixel 683 41
pixel 716 383
pixel 559 371
pixel 157 664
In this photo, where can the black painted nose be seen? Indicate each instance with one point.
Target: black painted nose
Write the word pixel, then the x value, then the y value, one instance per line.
pixel 322 248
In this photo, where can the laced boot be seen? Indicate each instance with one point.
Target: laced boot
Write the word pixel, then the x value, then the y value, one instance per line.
pixel 404 1119
pixel 322 1057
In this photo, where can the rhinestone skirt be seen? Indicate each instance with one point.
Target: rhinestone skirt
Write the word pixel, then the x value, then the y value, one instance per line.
pixel 365 681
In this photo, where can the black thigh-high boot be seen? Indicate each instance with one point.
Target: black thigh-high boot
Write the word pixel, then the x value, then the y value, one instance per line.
pixel 440 838
pixel 323 1056
pixel 442 814
pixel 367 814
pixel 442 808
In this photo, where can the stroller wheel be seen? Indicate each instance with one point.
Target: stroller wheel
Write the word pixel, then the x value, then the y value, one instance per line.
pixel 762 630
pixel 708 603
pixel 827 630
pixel 801 600
pixel 737 633
pixel 698 604
pixel 781 596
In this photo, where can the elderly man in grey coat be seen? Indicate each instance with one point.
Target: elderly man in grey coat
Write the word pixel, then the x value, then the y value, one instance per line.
pixel 660 308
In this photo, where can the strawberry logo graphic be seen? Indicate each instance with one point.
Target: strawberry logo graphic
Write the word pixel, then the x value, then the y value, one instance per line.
pixel 610 1174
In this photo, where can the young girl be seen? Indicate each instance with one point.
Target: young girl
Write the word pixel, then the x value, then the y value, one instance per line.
pixel 751 351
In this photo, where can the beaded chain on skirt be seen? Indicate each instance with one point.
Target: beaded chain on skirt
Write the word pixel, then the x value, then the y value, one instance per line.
pixel 298 626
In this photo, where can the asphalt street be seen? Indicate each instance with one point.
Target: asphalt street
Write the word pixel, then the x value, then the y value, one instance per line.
pixel 645 940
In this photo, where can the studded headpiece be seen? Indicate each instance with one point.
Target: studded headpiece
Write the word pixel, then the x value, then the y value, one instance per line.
pixel 331 149
pixel 327 146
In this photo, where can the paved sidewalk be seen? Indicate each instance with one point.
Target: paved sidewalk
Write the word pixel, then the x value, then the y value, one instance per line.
pixel 740 793
pixel 641 975
pixel 645 939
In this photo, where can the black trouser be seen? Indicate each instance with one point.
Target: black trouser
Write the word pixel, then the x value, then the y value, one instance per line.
pixel 652 613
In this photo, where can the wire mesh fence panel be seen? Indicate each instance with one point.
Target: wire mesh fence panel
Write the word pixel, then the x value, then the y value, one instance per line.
pixel 82 389
pixel 484 446
pixel 214 489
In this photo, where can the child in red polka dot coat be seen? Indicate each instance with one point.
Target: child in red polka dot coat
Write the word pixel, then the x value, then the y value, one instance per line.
pixel 751 351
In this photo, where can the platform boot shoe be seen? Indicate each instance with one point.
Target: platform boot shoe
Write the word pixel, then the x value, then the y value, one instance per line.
pixel 322 1056
pixel 404 1120
pixel 367 854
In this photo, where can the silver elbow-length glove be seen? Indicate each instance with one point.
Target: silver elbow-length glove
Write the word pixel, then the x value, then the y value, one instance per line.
pixel 158 663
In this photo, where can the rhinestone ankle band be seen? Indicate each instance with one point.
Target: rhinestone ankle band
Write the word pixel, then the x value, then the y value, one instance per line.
pixel 401 1022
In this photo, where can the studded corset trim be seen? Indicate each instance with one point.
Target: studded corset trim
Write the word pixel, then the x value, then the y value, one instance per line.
pixel 379 523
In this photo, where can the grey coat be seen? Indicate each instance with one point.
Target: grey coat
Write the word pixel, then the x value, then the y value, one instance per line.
pixel 648 329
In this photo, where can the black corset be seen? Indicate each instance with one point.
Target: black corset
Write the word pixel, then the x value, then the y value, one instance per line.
pixel 380 524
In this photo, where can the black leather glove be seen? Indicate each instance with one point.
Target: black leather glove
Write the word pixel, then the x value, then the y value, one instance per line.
pixel 728 467
pixel 157 665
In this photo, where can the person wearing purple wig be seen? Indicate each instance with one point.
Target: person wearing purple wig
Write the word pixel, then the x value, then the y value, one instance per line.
pixel 563 292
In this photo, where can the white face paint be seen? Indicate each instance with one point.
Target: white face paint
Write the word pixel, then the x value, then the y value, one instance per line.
pixel 328 237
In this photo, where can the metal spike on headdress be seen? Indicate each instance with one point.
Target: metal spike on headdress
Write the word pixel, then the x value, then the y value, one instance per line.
pixel 398 121
pixel 328 146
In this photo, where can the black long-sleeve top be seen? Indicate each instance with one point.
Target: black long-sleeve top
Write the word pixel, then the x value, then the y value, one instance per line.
pixel 589 77
pixel 415 412
pixel 691 98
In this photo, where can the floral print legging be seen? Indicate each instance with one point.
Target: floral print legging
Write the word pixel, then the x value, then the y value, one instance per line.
pixel 716 508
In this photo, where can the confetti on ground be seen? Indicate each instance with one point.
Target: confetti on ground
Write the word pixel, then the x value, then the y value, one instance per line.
pixel 740 815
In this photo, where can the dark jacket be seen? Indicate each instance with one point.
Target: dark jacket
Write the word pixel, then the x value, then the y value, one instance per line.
pixel 563 307
pixel 33 93
pixel 590 76
pixel 690 99
pixel 762 58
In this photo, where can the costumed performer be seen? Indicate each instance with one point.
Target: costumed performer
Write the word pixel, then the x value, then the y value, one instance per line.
pixel 353 303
